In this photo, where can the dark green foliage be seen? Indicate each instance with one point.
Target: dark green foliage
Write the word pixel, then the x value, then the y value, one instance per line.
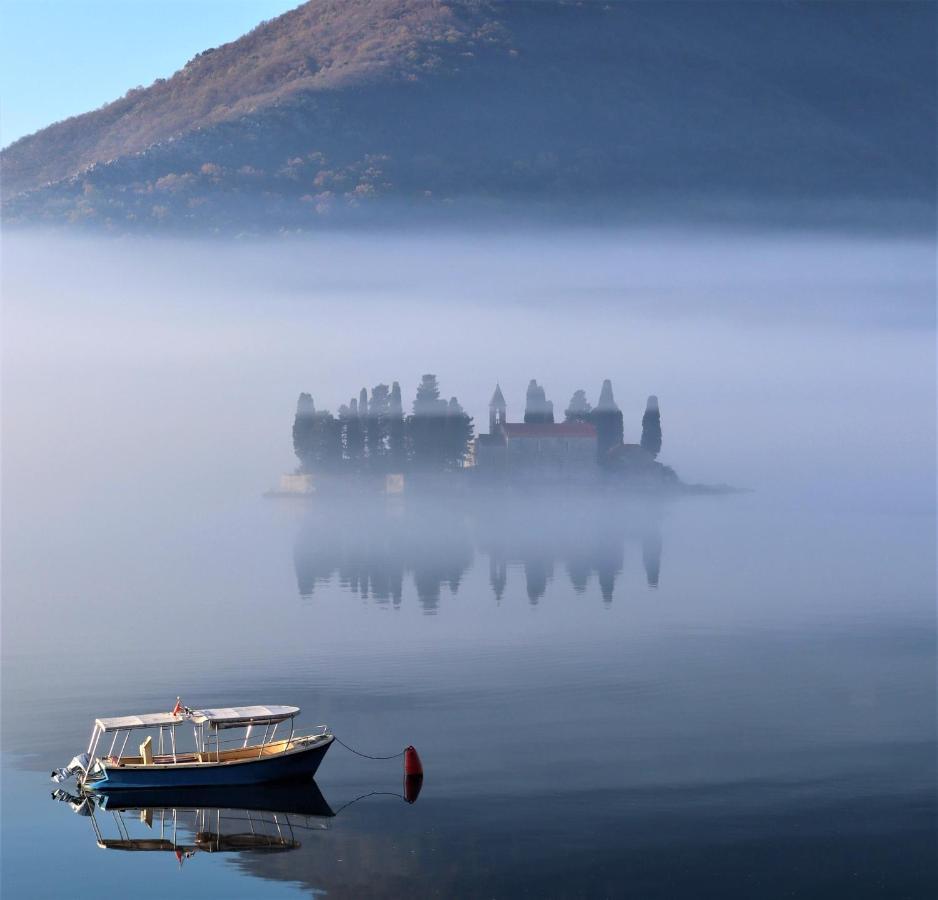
pixel 327 446
pixel 303 425
pixel 428 396
pixel 377 427
pixel 317 439
pixel 397 445
pixel 607 417
pixel 425 427
pixel 537 408
pixel 651 427
pixel 579 408
pixel 373 435
pixel 458 435
pixel 439 432
pixel 363 419
pixel 353 438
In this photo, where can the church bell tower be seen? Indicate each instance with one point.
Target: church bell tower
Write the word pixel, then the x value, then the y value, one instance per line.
pixel 498 411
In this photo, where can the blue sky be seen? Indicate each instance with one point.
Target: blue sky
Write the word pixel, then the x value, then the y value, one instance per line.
pixel 59 58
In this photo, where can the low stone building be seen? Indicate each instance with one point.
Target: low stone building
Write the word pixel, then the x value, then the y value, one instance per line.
pixel 560 445
pixel 587 446
pixel 544 449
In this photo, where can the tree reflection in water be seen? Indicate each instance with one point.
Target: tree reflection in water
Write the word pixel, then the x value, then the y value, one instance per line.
pixel 370 546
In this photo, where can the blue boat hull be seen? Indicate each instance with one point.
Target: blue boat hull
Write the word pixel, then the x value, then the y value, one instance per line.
pixel 300 764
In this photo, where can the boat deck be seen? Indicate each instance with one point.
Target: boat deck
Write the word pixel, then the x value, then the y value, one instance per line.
pixel 238 754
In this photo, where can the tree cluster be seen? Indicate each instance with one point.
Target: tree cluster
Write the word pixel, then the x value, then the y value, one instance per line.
pixel 606 417
pixel 579 409
pixel 537 408
pixel 372 434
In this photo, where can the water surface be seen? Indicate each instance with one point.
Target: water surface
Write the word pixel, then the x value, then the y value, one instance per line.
pixel 710 696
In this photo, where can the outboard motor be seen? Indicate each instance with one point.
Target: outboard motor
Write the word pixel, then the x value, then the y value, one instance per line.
pixel 78 764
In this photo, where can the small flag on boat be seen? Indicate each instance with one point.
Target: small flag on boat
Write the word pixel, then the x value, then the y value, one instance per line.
pixel 178 708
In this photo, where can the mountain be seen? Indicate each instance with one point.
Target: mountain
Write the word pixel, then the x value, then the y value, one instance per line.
pixel 388 110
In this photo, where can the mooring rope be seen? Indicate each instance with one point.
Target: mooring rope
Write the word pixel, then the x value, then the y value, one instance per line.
pixel 368 755
pixel 369 794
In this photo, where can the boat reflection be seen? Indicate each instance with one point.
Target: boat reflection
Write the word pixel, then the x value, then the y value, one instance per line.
pixel 370 548
pixel 265 819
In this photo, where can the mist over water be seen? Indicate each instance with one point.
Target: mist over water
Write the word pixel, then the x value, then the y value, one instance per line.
pixel 748 679
pixel 791 365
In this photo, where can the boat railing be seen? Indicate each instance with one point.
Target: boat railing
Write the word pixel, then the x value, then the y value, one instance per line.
pixel 210 745
pixel 215 745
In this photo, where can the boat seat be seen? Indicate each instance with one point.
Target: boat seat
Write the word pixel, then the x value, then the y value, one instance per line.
pixel 146 751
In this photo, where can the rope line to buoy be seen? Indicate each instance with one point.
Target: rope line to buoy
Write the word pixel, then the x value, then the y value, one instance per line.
pixel 370 794
pixel 367 755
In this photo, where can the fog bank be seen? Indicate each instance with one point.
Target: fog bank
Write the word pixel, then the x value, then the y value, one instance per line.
pixel 800 367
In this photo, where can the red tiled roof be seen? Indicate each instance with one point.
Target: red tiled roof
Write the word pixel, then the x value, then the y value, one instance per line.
pixel 561 429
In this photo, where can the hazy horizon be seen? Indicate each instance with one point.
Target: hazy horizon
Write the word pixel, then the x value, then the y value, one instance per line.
pixel 752 343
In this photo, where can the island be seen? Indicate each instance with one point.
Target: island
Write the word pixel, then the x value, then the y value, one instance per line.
pixel 372 445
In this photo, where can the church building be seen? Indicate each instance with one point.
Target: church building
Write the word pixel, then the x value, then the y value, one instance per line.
pixel 537 446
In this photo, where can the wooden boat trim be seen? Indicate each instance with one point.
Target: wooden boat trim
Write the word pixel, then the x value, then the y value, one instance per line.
pixel 234 757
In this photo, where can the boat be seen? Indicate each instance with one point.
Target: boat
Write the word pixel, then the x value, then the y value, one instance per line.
pixel 212 760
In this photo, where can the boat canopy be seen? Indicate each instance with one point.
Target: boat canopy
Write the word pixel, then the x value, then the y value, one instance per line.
pixel 225 717
pixel 239 716
pixel 147 720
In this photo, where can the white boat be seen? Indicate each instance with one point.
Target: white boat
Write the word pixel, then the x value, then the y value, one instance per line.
pixel 210 760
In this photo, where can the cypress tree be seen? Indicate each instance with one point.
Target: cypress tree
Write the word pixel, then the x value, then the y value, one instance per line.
pixel 354 439
pixel 607 417
pixel 427 400
pixel 317 439
pixel 427 425
pixel 344 418
pixel 458 436
pixel 327 441
pixel 579 409
pixel 304 425
pixel 363 421
pixel 378 412
pixel 397 449
pixel 537 408
pixel 651 427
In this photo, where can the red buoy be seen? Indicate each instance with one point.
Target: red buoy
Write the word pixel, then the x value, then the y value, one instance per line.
pixel 412 764
pixel 412 785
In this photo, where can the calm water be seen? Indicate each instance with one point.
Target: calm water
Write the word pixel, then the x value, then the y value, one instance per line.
pixel 714 696
pixel 705 697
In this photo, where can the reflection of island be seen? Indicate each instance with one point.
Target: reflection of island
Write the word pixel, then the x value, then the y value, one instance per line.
pixel 581 537
pixel 370 547
pixel 206 820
